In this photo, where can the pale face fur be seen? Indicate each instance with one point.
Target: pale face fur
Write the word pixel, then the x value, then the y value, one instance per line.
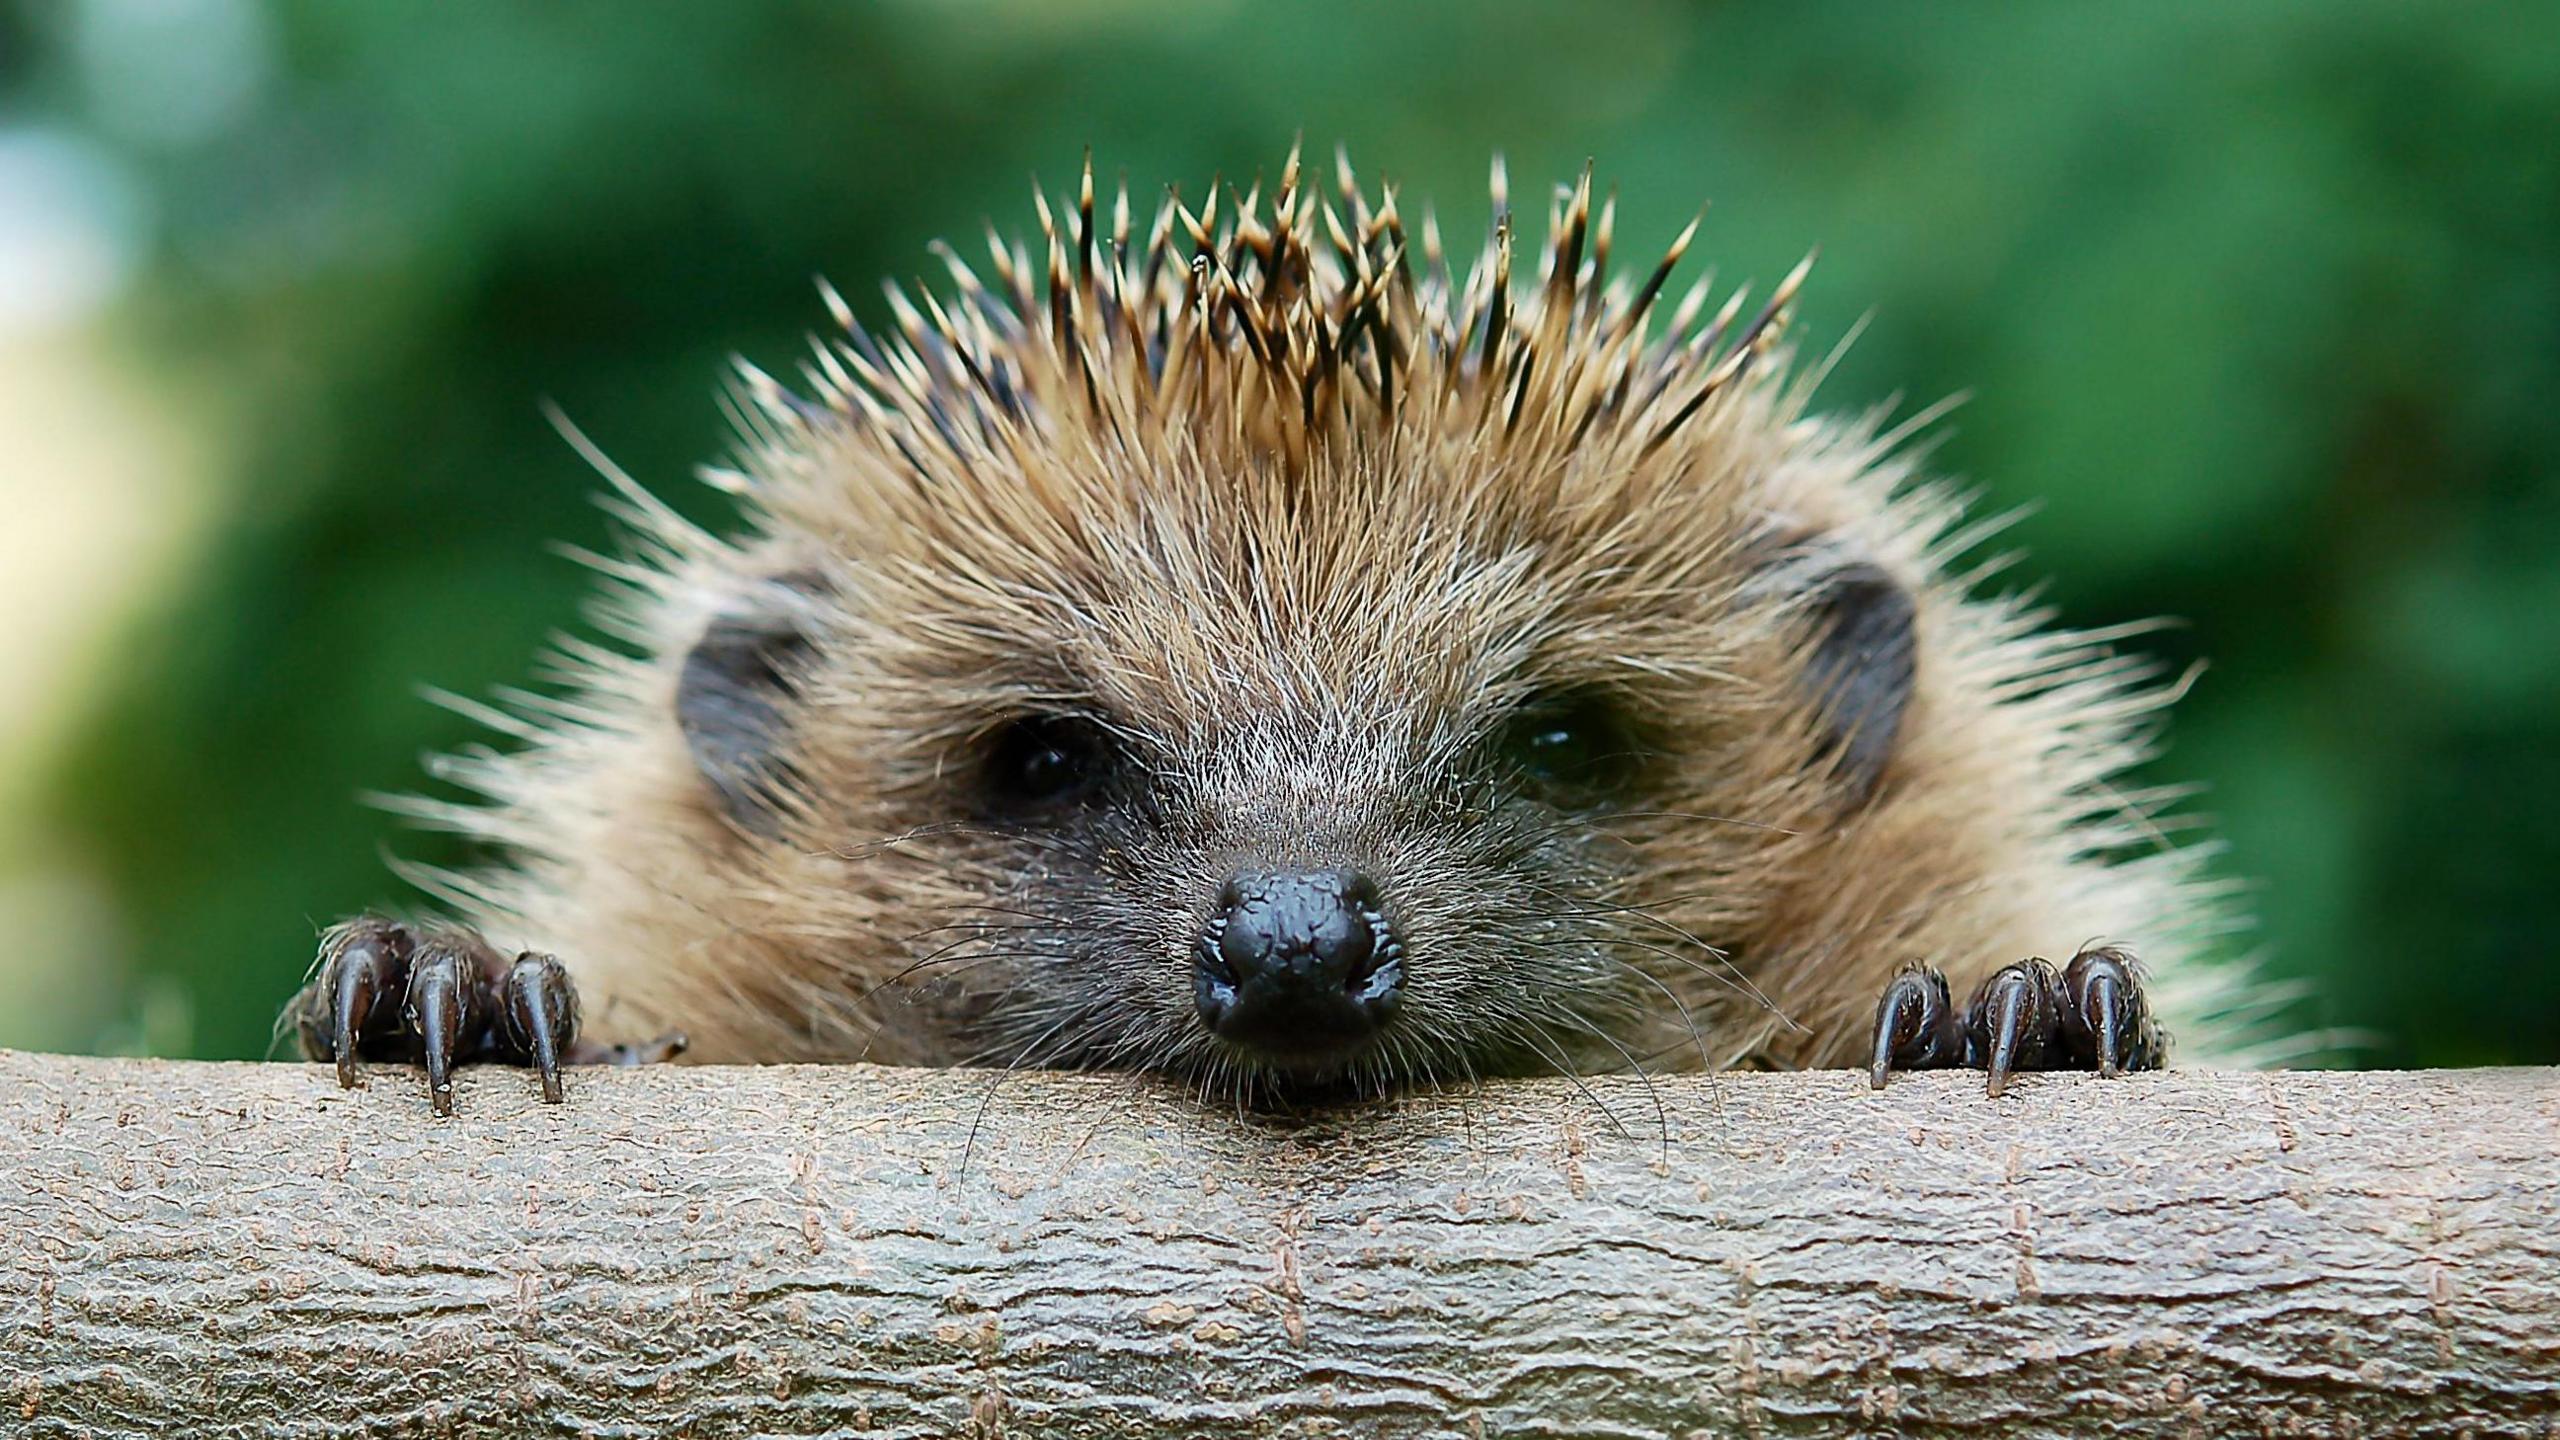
pixel 1307 633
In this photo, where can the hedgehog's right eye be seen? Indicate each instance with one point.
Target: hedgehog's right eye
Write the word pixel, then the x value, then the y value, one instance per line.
pixel 1575 746
pixel 1041 761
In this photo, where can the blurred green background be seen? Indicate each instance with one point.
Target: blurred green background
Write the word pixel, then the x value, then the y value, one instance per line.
pixel 2259 304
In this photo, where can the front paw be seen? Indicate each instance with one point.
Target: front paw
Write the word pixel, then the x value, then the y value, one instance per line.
pixel 438 996
pixel 2093 1014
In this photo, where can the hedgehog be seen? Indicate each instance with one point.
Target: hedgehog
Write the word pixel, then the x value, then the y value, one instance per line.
pixel 1257 652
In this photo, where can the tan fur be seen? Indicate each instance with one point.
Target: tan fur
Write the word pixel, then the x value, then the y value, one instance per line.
pixel 1326 509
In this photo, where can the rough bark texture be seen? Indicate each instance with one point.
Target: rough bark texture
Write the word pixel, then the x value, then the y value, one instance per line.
pixel 191 1248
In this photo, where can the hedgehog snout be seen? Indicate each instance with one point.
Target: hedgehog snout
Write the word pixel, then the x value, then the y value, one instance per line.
pixel 1298 966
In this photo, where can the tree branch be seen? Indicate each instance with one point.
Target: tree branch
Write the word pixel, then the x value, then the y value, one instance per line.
pixel 800 1250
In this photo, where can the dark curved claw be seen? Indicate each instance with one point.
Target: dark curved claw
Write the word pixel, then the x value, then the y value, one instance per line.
pixel 344 1011
pixel 1916 1026
pixel 442 1014
pixel 2016 1021
pixel 2107 1020
pixel 537 1017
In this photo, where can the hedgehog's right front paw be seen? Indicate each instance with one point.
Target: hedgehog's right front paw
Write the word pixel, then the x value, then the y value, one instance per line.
pixel 2090 1015
pixel 382 990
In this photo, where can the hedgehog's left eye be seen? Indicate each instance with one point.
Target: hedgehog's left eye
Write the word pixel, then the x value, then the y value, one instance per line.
pixel 1042 761
pixel 1575 745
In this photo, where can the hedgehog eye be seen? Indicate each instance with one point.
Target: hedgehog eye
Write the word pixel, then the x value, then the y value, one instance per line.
pixel 1575 745
pixel 1040 761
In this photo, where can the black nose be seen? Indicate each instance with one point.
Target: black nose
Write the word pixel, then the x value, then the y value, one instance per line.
pixel 1298 965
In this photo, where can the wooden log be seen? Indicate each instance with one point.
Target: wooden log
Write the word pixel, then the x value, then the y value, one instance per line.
pixel 813 1250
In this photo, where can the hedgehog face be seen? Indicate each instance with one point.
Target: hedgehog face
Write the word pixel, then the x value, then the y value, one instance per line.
pixel 1427 813
pixel 1301 893
pixel 1289 888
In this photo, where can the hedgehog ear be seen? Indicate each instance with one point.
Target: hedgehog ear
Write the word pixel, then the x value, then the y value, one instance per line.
pixel 1861 657
pixel 733 697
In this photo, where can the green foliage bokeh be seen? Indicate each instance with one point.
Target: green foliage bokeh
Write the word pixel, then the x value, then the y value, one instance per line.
pixel 2260 305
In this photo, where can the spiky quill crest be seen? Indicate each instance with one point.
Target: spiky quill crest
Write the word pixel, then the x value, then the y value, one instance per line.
pixel 1286 342
pixel 1298 505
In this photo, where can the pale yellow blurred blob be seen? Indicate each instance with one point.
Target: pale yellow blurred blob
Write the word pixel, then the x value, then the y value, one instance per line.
pixel 103 489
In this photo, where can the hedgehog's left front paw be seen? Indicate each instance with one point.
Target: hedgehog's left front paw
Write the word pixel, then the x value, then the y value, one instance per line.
pixel 2092 1015
pixel 384 990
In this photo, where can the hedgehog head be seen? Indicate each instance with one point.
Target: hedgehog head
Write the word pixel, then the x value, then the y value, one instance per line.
pixel 1258 650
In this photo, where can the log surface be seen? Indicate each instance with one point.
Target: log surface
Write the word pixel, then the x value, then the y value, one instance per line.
pixel 195 1248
